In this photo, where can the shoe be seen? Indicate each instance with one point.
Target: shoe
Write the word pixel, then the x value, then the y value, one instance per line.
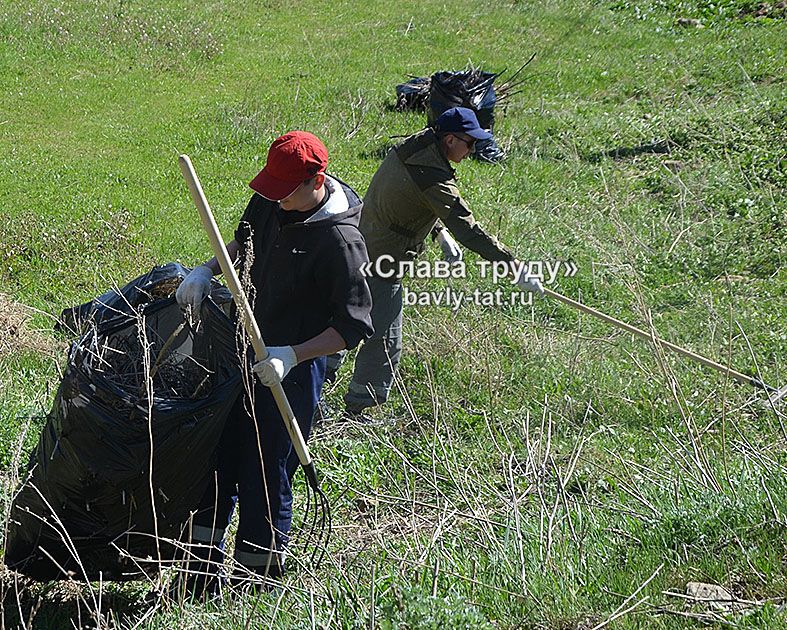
pixel 361 417
pixel 323 412
pixel 356 414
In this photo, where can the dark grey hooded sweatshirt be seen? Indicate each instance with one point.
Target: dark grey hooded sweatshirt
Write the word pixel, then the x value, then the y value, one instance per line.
pixel 305 275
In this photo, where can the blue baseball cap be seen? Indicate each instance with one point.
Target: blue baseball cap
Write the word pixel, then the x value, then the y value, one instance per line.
pixel 461 120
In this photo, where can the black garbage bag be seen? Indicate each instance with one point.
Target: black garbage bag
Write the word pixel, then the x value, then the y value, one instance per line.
pixel 160 282
pixel 475 90
pixel 413 95
pixel 95 504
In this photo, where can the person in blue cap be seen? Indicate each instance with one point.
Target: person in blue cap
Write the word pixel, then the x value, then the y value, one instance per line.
pixel 414 194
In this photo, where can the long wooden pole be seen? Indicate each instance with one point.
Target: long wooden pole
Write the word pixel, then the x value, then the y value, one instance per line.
pixel 739 376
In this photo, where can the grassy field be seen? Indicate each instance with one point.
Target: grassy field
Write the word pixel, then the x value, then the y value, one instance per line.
pixel 545 471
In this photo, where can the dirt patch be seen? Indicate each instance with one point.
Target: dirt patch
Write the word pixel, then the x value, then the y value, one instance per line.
pixel 16 335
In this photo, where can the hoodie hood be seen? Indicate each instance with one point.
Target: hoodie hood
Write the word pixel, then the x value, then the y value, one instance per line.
pixel 343 205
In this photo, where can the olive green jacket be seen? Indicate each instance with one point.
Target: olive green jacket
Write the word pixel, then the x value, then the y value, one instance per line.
pixel 412 189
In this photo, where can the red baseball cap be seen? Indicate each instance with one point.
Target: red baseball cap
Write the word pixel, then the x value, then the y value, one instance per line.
pixel 292 159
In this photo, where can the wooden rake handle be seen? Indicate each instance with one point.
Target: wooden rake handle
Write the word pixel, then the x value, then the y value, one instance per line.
pixel 738 376
pixel 246 314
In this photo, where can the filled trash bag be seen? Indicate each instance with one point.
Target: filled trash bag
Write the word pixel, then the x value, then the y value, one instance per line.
pixel 413 95
pixel 95 503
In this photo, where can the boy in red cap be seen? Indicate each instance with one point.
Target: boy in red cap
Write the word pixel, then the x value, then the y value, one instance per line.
pixel 298 242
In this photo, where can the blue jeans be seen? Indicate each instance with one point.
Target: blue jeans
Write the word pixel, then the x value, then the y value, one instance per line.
pixel 256 463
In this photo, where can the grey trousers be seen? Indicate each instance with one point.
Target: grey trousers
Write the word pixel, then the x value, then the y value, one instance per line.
pixel 379 355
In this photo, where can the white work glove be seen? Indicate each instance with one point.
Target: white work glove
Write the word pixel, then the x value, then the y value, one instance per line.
pixel 451 251
pixel 195 287
pixel 273 368
pixel 530 283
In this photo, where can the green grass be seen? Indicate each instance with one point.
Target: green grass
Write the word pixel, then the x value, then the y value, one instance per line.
pixel 544 466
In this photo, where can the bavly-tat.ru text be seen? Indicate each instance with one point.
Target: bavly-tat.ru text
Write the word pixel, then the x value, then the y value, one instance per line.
pixel 450 298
